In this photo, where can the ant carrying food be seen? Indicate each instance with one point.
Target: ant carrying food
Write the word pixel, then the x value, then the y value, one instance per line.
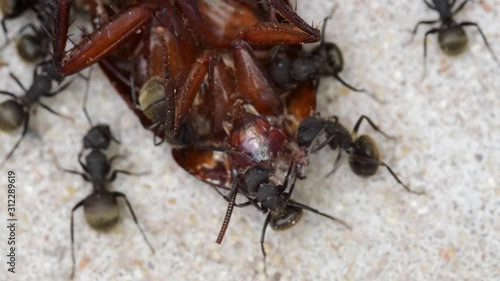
pixel 451 35
pixel 364 155
pixel 101 207
pixel 15 111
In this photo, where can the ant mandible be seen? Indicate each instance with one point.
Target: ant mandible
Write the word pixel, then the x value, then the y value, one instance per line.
pixel 15 112
pixel 364 155
pixel 451 35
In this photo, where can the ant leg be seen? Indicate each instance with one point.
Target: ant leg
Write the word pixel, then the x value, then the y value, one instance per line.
pixel 78 205
pixel 17 81
pixel 263 237
pixel 336 165
pixel 375 127
pixel 155 135
pixel 8 94
pixel 116 172
pixel 44 106
pixel 85 98
pixel 84 176
pixel 119 194
pixel 434 30
pixel 459 7
pixel 467 23
pixel 347 84
pixel 307 208
pixel 4 27
pixel 380 163
pixel 23 134
pixel 414 31
pixel 26 26
pixel 430 5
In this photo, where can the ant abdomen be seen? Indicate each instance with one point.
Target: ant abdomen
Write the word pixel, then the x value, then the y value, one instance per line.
pixel 101 210
pixel 453 41
pixel 30 48
pixel 286 220
pixel 11 115
pixel 364 147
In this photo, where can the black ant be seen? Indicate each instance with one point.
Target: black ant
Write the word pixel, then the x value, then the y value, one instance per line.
pixel 364 155
pixel 15 112
pixel 290 65
pixel 282 212
pixel 101 207
pixel 451 35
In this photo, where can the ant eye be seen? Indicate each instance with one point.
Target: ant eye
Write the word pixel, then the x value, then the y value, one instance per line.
pixel 291 217
pixel 453 41
pixel 11 115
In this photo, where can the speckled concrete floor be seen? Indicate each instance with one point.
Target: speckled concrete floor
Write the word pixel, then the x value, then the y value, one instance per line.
pixel 449 145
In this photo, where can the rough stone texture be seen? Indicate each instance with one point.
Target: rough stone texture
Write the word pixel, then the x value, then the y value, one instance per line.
pixel 449 145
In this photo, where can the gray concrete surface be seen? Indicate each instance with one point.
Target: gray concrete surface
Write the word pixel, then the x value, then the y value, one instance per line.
pixel 449 145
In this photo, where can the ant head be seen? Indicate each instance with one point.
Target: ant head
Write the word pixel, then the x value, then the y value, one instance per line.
pixel 331 58
pixel 30 48
pixel 289 217
pixel 364 147
pixel 101 210
pixel 98 137
pixel 152 99
pixel 309 129
pixel 12 115
pixel 453 40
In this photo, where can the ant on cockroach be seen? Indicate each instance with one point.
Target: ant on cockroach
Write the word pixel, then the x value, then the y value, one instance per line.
pixel 451 35
pixel 364 155
pixel 101 207
pixel 282 212
pixel 15 111
pixel 290 65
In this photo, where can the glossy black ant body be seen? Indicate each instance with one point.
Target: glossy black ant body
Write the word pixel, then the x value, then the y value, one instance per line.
pixel 451 35
pixel 290 65
pixel 282 212
pixel 101 207
pixel 364 155
pixel 15 111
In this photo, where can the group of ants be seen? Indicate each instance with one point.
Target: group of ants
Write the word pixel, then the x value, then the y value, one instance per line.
pixel 256 182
